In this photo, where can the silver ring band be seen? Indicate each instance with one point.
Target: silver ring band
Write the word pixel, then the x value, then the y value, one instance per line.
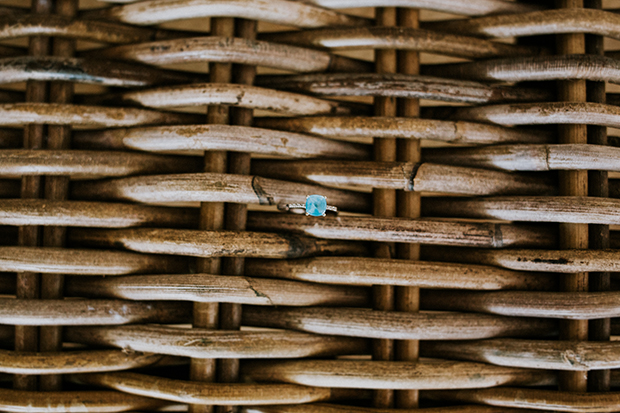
pixel 331 208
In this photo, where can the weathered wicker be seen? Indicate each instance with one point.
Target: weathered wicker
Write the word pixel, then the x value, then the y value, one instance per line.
pixel 144 147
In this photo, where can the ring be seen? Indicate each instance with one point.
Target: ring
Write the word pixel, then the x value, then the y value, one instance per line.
pixel 316 206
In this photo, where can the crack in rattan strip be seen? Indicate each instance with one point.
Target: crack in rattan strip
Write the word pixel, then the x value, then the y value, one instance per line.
pixel 407 176
pixel 232 50
pixel 89 71
pixel 402 39
pixel 530 157
pixel 411 86
pixel 220 137
pixel 399 127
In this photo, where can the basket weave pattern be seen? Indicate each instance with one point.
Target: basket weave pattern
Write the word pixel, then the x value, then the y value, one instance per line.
pixel 145 264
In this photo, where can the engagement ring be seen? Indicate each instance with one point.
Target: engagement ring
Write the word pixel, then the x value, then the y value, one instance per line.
pixel 316 206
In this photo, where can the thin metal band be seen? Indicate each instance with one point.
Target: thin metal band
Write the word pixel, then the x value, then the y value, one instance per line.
pixel 287 207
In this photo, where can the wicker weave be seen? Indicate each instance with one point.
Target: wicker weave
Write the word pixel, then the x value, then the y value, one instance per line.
pixel 145 147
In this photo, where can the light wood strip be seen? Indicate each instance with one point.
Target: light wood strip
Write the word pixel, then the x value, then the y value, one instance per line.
pixel 50 260
pixel 406 230
pixel 89 361
pixel 231 50
pixel 408 176
pixel 221 344
pixel 571 113
pixel 244 96
pixel 522 69
pixel 402 39
pixel 220 137
pixel 75 163
pixel 88 71
pixel 567 20
pixel 206 393
pixel 207 288
pixel 12 26
pixel 398 127
pixel 403 375
pixel 380 271
pixel 404 86
pixel 339 408
pixel 395 325
pixel 57 401
pixel 549 400
pixel 449 6
pixel 90 214
pixel 33 312
pixel 530 157
pixel 536 354
pixel 20 114
pixel 569 209
pixel 216 187
pixel 563 305
pixel 273 11
pixel 560 261
pixel 201 243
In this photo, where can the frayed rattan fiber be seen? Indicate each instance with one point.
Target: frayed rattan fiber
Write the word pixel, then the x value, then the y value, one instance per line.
pixel 145 147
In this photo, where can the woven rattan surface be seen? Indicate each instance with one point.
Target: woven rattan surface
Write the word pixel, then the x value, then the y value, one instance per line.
pixel 147 149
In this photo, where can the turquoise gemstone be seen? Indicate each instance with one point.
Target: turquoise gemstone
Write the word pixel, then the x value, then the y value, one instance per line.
pixel 316 205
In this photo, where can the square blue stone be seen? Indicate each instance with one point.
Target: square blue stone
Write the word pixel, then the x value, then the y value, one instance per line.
pixel 316 205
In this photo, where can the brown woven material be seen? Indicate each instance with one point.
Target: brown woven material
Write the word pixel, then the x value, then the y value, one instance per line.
pixel 145 147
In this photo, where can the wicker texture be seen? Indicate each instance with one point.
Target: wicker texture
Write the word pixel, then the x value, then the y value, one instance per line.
pixel 145 147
